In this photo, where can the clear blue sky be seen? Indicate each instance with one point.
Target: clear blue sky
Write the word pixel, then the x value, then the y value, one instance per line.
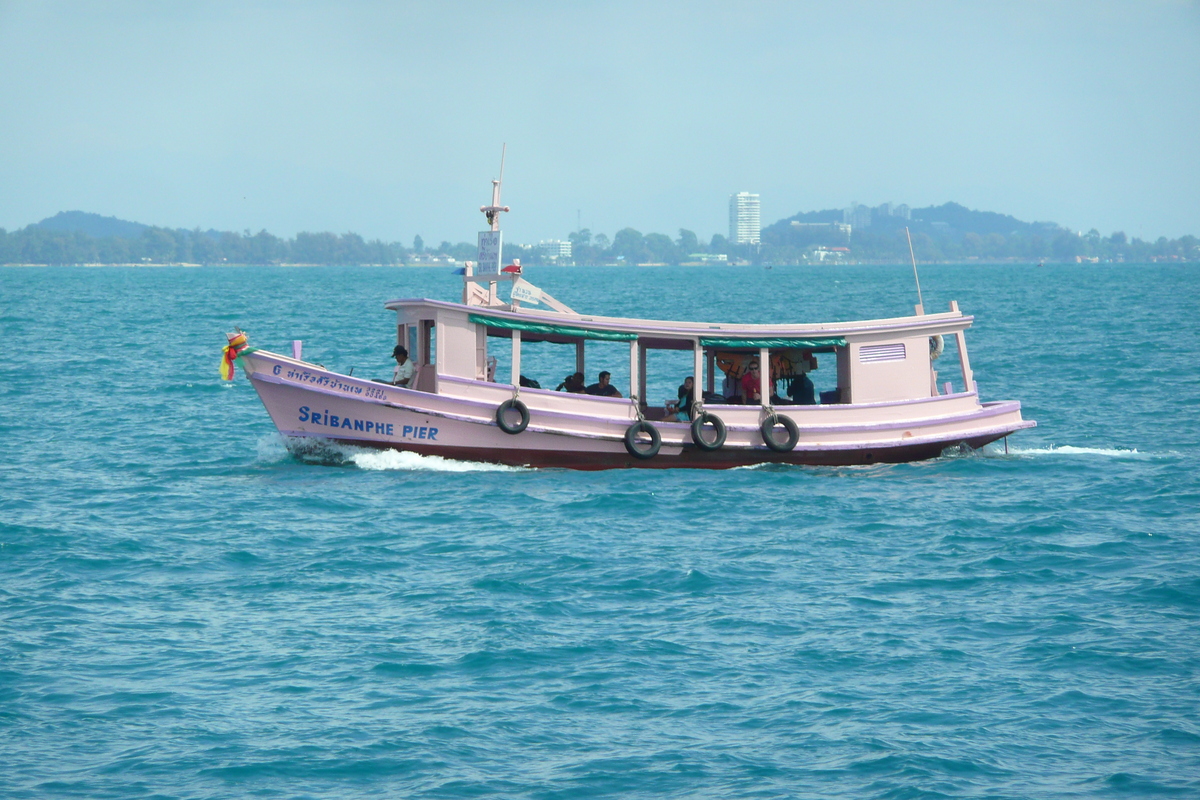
pixel 387 118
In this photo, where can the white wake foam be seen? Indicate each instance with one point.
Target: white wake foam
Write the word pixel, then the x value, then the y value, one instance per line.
pixel 271 449
pixel 274 449
pixel 1071 450
pixel 398 460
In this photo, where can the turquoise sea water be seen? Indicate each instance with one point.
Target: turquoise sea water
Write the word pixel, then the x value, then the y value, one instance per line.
pixel 186 611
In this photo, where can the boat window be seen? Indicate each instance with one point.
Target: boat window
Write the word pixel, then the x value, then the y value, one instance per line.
pixel 610 357
pixel 823 365
pixel 542 362
pixel 947 367
pixel 665 373
pixel 428 342
pixel 547 363
pixel 825 376
pixel 550 362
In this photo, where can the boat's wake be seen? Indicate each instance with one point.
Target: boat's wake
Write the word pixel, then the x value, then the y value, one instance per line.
pixel 1070 450
pixel 397 460
pixel 276 449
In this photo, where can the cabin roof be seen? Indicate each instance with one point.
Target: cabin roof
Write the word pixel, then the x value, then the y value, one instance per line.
pixel 668 332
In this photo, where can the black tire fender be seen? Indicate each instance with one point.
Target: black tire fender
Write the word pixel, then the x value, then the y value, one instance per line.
pixel 698 431
pixel 767 429
pixel 638 449
pixel 520 408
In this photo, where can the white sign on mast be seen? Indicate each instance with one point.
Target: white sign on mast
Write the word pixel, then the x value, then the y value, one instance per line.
pixel 489 252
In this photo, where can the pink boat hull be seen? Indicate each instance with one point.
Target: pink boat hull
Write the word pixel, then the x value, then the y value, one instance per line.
pixel 581 432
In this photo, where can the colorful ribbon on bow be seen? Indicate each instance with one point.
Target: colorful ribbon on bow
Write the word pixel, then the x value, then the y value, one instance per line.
pixel 237 343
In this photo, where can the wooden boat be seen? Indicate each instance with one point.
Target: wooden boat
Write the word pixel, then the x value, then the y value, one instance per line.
pixel 886 407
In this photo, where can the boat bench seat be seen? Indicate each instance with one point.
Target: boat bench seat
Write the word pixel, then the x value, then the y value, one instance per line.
pixel 657 413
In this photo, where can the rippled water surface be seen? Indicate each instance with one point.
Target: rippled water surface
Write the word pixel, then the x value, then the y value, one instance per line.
pixel 188 611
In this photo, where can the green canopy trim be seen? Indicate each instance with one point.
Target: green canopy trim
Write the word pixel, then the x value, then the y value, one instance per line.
pixel 554 330
pixel 775 344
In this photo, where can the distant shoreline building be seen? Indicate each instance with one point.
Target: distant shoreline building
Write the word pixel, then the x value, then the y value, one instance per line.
pixel 857 216
pixel 745 224
pixel 860 216
pixel 555 251
pixel 838 228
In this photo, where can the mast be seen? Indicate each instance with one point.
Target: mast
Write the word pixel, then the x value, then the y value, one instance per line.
pixel 920 301
pixel 492 212
pixel 491 241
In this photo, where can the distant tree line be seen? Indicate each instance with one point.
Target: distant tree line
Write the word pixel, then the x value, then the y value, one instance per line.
pixel 39 245
pixel 939 233
pixel 630 246
pixel 35 245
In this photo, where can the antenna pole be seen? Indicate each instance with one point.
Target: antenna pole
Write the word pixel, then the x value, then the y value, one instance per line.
pixel 503 152
pixel 920 301
pixel 492 212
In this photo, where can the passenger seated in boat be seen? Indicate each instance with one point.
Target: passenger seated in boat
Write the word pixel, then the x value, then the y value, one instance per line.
pixel 529 383
pixel 751 391
pixel 731 389
pixel 802 391
pixel 776 399
pixel 602 387
pixel 682 408
pixel 403 372
pixel 573 384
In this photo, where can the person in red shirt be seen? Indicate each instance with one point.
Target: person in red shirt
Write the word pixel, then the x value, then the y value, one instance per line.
pixel 752 385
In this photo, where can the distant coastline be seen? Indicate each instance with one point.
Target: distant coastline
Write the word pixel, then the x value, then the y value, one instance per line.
pixel 946 234
pixel 826 265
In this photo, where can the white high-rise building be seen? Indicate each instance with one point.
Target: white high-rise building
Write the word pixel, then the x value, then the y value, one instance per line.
pixel 744 222
pixel 555 250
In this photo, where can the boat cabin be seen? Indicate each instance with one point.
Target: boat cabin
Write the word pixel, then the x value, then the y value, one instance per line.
pixel 458 347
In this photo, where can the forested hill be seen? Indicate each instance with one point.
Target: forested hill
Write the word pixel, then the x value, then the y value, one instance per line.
pixel 951 215
pixel 93 225
pixel 952 232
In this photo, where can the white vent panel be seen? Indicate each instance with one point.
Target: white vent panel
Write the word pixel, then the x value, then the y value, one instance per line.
pixel 875 353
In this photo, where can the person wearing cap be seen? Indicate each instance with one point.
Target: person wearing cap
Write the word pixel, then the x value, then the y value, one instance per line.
pixel 403 372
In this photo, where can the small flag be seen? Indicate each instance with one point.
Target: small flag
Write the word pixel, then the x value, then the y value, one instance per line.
pixel 237 343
